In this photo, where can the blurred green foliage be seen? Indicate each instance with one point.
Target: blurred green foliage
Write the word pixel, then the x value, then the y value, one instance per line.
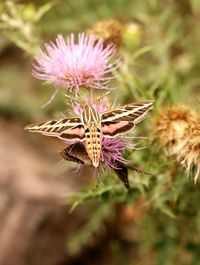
pixel 163 62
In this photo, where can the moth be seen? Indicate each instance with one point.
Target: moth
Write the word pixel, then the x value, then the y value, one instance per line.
pixel 77 153
pixel 92 126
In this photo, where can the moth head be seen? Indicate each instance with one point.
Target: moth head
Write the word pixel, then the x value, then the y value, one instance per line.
pixel 90 115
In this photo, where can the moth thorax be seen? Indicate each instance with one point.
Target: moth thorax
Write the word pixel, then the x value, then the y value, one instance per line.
pixel 90 115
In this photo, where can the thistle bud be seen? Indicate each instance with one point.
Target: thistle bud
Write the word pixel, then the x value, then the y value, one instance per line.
pixel 132 35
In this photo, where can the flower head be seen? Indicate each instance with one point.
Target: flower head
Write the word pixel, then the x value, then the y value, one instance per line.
pixel 178 129
pixel 69 64
pixel 170 125
pixel 112 150
pixel 188 150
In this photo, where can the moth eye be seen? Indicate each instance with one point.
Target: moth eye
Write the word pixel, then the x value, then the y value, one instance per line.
pixel 87 130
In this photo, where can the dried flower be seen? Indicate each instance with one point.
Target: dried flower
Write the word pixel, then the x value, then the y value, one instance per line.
pixel 170 125
pixel 71 65
pixel 188 150
pixel 178 129
pixel 108 30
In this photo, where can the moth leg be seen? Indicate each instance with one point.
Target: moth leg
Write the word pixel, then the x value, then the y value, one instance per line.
pixel 71 148
pixel 96 172
pixel 138 170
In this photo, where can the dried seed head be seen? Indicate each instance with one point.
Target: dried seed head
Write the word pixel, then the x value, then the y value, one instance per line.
pixel 171 124
pixel 178 129
pixel 109 30
pixel 188 149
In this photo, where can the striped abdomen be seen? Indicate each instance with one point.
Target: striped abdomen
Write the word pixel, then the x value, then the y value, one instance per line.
pixel 93 140
pixel 92 125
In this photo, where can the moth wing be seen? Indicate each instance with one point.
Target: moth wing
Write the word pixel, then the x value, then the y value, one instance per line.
pixel 113 128
pixel 76 153
pixel 74 133
pixel 124 119
pixel 122 172
pixel 66 129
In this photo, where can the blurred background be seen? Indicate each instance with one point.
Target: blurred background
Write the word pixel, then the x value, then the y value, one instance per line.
pixel 50 214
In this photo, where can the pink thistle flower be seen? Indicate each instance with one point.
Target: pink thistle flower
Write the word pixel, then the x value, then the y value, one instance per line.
pixel 112 151
pixel 69 64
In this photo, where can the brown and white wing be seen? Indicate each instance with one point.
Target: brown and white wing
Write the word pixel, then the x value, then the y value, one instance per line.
pixel 66 129
pixel 76 153
pixel 119 121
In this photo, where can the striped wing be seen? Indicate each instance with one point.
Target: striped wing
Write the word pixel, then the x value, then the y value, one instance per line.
pixel 125 118
pixel 66 129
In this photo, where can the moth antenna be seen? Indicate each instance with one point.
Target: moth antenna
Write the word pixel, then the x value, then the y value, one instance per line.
pixel 74 99
pixel 51 98
pixel 102 97
pixel 114 103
